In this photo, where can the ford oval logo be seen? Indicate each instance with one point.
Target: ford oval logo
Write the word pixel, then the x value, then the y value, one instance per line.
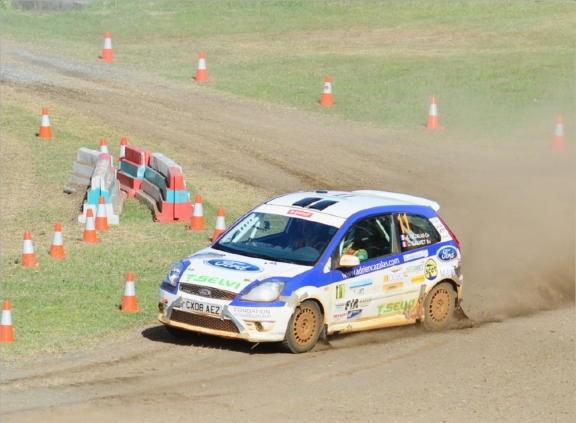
pixel 447 253
pixel 233 265
pixel 205 292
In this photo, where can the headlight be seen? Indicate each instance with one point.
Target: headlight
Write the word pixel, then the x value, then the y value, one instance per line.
pixel 174 273
pixel 264 291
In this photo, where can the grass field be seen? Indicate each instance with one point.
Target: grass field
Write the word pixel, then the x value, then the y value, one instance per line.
pixel 75 301
pixel 491 66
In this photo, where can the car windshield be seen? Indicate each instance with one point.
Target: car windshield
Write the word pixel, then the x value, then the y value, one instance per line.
pixel 278 238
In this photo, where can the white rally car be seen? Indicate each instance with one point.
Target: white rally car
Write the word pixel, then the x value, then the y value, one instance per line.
pixel 315 263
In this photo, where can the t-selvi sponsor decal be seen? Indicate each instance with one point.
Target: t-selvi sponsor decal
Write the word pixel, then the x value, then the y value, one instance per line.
pixel 214 281
pixel 393 307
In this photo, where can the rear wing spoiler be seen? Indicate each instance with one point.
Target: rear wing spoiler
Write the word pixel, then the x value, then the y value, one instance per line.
pixel 402 197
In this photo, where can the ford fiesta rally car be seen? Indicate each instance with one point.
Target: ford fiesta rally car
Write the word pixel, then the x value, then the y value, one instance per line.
pixel 317 263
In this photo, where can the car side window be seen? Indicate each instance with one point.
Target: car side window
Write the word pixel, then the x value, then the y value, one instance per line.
pixel 368 239
pixel 415 231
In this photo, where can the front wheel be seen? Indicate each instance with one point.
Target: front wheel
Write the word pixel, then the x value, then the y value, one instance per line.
pixel 303 329
pixel 439 307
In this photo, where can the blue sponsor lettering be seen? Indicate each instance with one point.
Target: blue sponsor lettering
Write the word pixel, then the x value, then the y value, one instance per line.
pixel 363 282
pixel 415 255
pixel 363 269
pixel 354 313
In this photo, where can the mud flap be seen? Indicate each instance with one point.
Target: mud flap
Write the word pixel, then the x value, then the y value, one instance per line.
pixel 323 340
pixel 418 311
pixel 323 334
pixel 459 312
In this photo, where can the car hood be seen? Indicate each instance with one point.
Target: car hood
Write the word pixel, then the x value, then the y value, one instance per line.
pixel 232 272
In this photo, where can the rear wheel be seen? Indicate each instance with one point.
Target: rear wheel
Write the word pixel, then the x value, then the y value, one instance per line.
pixel 439 307
pixel 303 329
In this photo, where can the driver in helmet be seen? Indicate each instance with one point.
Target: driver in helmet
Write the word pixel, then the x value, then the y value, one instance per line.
pixel 306 237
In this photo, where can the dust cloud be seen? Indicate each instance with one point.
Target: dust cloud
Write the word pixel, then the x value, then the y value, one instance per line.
pixel 515 220
pixel 517 233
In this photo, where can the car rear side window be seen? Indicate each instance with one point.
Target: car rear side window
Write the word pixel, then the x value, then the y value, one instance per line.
pixel 415 231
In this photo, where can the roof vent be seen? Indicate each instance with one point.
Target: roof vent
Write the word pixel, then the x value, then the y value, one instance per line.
pixel 306 201
pixel 321 205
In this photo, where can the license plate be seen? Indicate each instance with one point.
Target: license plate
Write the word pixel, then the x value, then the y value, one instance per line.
pixel 200 307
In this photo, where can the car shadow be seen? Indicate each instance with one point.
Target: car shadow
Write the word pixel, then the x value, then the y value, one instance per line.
pixel 194 339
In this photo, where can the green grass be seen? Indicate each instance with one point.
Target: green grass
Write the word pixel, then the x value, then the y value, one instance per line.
pixel 488 63
pixel 75 301
pixel 493 66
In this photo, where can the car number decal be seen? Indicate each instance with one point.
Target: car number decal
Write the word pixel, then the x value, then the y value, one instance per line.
pixel 200 307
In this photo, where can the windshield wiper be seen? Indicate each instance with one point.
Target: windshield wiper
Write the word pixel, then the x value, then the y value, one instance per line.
pixel 252 254
pixel 245 253
pixel 263 256
pixel 223 248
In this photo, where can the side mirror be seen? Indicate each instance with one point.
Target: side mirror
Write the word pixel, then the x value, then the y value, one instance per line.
pixel 348 260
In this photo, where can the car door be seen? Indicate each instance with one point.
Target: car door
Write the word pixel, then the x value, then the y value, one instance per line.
pixel 416 238
pixel 364 292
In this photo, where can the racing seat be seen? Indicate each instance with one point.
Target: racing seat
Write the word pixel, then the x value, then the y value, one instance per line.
pixel 379 248
pixel 363 241
pixel 375 244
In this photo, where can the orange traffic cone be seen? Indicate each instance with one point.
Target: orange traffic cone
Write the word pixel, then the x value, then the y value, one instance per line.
pixel 129 302
pixel 107 53
pixel 433 116
pixel 123 144
pixel 28 258
pixel 103 145
pixel 45 131
pixel 201 72
pixel 101 217
pixel 558 142
pixel 89 230
pixel 220 224
pixel 326 99
pixel 57 247
pixel 197 222
pixel 6 333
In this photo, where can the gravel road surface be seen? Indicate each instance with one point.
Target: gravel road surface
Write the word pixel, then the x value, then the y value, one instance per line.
pixel 513 211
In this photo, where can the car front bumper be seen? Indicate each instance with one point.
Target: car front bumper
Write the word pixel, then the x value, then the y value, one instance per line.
pixel 254 324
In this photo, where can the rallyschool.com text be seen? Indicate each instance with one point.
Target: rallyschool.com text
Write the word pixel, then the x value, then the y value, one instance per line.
pixel 372 268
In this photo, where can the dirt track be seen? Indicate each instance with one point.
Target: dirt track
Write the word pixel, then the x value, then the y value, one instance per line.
pixel 513 212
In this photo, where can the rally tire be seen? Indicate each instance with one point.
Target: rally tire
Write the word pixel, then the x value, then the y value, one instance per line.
pixel 439 307
pixel 304 328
